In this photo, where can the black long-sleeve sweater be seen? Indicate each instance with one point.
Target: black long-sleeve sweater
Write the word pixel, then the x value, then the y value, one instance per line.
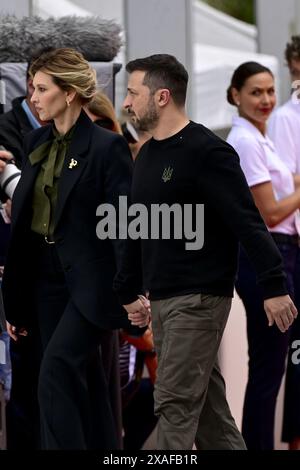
pixel 196 167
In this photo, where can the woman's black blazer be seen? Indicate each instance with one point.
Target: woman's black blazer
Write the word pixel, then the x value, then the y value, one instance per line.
pixel 101 174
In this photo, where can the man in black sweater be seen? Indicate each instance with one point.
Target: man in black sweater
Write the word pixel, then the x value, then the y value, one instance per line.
pixel 188 168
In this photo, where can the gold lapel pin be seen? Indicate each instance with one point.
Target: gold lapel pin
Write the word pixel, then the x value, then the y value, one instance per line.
pixel 73 163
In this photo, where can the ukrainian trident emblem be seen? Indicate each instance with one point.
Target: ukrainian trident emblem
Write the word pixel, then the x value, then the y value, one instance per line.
pixel 167 174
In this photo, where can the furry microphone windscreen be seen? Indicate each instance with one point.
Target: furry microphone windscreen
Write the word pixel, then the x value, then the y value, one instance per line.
pixel 97 39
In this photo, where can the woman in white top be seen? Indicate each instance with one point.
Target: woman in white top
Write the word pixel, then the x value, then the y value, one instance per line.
pixel 272 186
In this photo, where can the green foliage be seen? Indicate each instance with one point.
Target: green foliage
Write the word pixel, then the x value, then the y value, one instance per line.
pixel 241 9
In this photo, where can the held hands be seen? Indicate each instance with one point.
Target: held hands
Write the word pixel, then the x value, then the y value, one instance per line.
pixel 139 311
pixel 280 310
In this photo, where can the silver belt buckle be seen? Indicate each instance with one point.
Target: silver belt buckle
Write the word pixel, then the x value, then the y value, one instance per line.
pixel 50 242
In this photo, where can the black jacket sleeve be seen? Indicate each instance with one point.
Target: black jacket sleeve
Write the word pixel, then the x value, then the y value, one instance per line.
pixel 118 177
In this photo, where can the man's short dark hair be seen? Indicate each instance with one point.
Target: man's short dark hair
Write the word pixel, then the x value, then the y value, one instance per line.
pixel 292 50
pixel 162 71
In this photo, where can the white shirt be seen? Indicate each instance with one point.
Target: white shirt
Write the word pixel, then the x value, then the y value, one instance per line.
pixel 260 164
pixel 284 130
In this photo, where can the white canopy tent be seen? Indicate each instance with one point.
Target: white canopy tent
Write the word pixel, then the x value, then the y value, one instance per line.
pixel 216 28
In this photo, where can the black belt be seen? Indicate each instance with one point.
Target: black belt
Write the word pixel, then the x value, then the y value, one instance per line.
pixel 284 238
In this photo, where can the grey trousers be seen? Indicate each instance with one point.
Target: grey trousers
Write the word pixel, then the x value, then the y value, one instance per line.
pixel 190 398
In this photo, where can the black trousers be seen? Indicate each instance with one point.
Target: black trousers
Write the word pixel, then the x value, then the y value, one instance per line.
pixel 22 411
pixel 75 410
pixel 268 351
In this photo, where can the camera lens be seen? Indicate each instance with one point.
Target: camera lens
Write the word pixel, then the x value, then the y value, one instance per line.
pixel 9 178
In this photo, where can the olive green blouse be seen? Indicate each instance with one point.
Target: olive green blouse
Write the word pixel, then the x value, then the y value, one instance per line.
pixel 52 155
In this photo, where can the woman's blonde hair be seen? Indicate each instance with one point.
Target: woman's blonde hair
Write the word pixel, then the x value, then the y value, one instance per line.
pixel 69 70
pixel 102 107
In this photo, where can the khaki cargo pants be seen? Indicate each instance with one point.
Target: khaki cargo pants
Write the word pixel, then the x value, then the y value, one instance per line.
pixel 189 393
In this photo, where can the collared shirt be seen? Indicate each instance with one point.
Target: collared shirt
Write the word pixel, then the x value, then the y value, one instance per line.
pixel 32 119
pixel 52 154
pixel 284 130
pixel 261 163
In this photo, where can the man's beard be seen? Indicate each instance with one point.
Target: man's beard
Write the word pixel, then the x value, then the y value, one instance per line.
pixel 149 120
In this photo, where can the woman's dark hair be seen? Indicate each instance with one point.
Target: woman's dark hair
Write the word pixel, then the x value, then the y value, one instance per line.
pixel 241 74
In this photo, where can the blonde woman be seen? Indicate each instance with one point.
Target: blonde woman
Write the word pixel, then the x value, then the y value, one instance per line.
pixel 72 166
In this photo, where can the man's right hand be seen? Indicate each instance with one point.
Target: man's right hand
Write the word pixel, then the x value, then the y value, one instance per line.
pixel 280 310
